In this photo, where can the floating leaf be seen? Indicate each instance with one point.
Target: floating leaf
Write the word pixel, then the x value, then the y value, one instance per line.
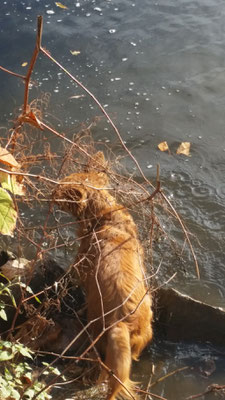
pixel 9 182
pixel 78 96
pixel 163 146
pixel 8 213
pixel 75 52
pixel 184 148
pixel 24 64
pixel 60 5
pixel 7 158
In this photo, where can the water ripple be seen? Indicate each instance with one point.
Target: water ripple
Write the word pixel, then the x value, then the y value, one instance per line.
pixel 203 190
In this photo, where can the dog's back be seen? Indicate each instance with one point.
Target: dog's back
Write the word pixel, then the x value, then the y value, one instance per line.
pixel 110 265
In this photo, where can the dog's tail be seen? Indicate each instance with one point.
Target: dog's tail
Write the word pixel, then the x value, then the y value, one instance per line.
pixel 118 360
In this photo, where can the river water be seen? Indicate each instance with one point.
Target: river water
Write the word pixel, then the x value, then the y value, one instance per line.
pixel 158 67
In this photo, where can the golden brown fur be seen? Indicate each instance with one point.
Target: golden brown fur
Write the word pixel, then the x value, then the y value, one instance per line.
pixel 111 269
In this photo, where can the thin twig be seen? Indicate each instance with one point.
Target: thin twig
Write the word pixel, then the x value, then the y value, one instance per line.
pixel 12 73
pixel 32 62
pixel 41 177
pixel 147 395
pixel 151 394
pixel 167 376
pixel 211 388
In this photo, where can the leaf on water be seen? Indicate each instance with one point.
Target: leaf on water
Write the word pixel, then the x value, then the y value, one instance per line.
pixel 24 64
pixel 7 159
pixel 60 5
pixel 184 148
pixel 163 146
pixel 8 213
pixel 10 182
pixel 75 52
pixel 78 96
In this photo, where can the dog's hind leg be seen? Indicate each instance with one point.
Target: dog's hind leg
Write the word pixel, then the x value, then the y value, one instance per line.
pixel 118 360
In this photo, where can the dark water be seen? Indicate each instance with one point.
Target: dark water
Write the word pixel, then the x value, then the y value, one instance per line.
pixel 159 69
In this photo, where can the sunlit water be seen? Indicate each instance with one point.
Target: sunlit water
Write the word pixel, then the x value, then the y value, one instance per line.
pixel 159 69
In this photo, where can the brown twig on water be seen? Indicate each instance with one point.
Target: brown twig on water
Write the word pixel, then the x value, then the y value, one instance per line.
pixel 157 396
pixel 12 73
pixel 151 373
pixel 168 375
pixel 210 389
pixel 32 62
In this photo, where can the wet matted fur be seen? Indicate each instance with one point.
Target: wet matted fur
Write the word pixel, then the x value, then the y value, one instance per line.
pixel 111 269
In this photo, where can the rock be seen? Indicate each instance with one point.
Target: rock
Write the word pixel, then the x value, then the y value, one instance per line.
pixel 182 318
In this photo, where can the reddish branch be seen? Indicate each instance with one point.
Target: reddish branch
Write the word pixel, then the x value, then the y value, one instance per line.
pixel 12 73
pixel 210 389
pixel 32 62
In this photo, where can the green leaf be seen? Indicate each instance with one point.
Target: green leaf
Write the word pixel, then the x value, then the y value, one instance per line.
pixel 13 300
pixel 6 355
pixel 3 314
pixel 8 213
pixel 25 352
pixel 28 288
pixel 37 299
pixel 5 392
pixel 8 375
pixel 6 344
pixel 5 277
pixel 30 393
pixel 6 290
pixel 10 183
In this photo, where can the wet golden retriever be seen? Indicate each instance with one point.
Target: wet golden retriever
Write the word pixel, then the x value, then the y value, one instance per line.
pixel 111 268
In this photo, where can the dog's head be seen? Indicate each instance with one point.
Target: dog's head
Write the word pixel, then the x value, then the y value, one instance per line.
pixel 75 191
